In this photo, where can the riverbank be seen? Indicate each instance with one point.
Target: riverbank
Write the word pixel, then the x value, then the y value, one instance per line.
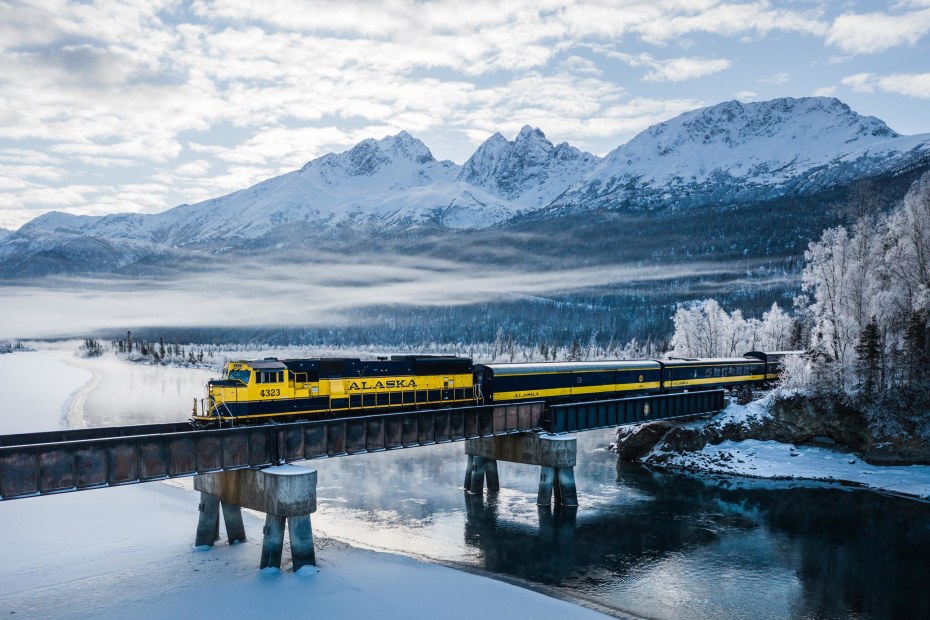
pixel 763 440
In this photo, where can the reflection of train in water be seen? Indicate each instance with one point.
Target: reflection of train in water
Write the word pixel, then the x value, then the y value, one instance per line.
pixel 270 389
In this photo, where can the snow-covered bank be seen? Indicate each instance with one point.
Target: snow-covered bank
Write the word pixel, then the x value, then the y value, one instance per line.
pixel 771 459
pixel 748 440
pixel 127 553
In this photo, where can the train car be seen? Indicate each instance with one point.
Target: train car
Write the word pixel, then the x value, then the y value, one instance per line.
pixel 272 389
pixel 709 373
pixel 565 381
pixel 774 361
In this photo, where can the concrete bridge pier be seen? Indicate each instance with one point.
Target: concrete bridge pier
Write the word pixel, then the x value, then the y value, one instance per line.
pixel 208 527
pixel 287 496
pixel 555 454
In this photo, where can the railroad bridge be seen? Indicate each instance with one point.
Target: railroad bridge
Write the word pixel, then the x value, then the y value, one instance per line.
pixel 245 466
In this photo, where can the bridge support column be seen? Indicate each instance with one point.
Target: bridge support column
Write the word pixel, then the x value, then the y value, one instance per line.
pixel 555 454
pixel 287 496
pixel 208 526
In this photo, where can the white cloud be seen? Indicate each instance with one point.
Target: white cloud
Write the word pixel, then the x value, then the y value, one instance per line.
pixel 868 33
pixel 778 79
pixel 681 69
pixel 908 84
pixel 731 19
pixel 667 70
pixel 825 91
pixel 860 82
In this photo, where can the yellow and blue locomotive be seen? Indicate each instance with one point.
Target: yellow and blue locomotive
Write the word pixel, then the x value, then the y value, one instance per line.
pixel 272 389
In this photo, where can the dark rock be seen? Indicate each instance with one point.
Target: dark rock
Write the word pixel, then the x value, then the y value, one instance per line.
pixel 634 442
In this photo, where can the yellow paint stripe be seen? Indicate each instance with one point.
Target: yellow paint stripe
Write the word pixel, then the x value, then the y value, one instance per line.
pixel 591 389
pixel 739 379
pixel 617 387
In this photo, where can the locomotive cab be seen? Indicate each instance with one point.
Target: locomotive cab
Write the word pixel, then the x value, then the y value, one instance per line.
pixel 233 387
pixel 242 382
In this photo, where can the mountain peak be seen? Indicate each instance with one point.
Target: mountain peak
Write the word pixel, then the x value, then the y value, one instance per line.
pixel 733 123
pixel 745 151
pixel 408 147
pixel 528 170
pixel 527 133
pixel 369 156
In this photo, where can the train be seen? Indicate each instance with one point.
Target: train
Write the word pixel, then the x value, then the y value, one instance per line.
pixel 273 390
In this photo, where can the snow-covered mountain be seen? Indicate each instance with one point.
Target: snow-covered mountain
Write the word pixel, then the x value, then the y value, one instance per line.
pixel 394 181
pixel 724 154
pixel 746 151
pixel 529 171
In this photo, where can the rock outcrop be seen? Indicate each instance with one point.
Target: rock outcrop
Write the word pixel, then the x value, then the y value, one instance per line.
pixel 797 419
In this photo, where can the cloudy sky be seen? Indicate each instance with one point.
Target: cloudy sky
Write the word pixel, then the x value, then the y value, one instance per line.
pixel 141 105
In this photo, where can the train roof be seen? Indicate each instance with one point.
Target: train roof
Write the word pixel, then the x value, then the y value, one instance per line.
pixel 353 366
pixel 265 364
pixel 544 367
pixel 709 361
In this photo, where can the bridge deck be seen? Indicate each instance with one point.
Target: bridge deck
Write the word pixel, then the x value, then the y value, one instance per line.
pixel 74 460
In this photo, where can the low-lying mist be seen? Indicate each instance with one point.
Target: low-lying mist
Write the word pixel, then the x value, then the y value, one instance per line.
pixel 261 292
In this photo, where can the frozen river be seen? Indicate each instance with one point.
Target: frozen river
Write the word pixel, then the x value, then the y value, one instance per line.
pixel 36 389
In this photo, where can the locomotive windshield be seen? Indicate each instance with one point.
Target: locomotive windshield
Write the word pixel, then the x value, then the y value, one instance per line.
pixel 240 375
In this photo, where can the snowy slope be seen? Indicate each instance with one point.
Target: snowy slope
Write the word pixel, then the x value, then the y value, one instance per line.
pixel 391 181
pixel 736 151
pixel 529 171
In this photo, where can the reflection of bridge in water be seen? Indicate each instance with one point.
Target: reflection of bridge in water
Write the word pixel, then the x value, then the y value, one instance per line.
pixel 234 467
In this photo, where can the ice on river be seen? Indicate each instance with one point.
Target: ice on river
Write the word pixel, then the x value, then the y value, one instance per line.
pixel 37 387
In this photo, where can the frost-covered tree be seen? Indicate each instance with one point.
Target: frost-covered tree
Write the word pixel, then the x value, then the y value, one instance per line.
pixel 574 352
pixel 828 277
pixel 777 330
pixel 704 329
pixel 865 289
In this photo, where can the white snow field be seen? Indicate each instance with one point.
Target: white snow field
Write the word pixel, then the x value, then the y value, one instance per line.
pixel 128 552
